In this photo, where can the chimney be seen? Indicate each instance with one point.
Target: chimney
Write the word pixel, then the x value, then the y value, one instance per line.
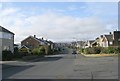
pixel 101 36
pixel 110 33
pixel 97 38
pixel 42 38
pixel 34 36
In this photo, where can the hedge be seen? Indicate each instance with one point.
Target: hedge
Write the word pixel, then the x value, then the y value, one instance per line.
pixel 110 50
pixel 98 50
pixel 7 55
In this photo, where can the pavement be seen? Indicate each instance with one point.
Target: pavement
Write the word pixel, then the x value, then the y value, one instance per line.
pixel 63 66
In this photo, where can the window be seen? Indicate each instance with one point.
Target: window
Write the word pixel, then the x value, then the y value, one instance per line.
pixel 111 43
pixel 118 39
pixel 6 35
pixel 6 48
pixel 27 42
pixel 0 34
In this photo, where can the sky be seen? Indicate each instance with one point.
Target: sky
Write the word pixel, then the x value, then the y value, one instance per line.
pixel 59 21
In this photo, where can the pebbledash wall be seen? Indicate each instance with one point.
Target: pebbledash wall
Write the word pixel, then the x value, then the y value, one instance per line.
pixel 6 40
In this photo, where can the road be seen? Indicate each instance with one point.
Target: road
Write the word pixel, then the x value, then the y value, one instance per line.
pixel 64 66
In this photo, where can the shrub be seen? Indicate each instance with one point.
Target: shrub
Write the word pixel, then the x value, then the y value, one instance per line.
pixel 42 50
pixel 104 50
pixel 24 51
pixel 39 51
pixel 81 50
pixel 98 50
pixel 117 50
pixel 17 53
pixel 86 51
pixel 111 50
pixel 36 51
pixel 92 50
pixel 7 55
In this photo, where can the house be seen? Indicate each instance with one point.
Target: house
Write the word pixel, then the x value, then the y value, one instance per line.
pixel 74 44
pixel 96 42
pixel 51 44
pixel 24 49
pixel 80 44
pixel 88 43
pixel 6 39
pixel 60 44
pixel 32 42
pixel 112 39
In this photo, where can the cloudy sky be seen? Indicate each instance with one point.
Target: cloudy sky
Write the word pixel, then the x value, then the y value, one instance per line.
pixel 59 21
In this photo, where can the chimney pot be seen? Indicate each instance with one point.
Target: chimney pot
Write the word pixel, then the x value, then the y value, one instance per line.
pixel 101 36
pixel 34 36
pixel 110 33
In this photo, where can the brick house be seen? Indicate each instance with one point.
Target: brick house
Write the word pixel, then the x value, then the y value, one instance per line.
pixel 32 42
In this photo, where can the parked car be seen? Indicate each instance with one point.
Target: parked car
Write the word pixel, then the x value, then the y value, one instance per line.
pixel 74 52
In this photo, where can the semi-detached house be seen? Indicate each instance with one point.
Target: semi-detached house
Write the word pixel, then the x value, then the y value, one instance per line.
pixel 6 39
pixel 32 42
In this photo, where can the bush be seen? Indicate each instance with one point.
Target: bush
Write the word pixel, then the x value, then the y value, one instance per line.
pixel 42 50
pixel 86 51
pixel 39 51
pixel 109 50
pixel 98 50
pixel 17 53
pixel 104 50
pixel 93 50
pixel 81 50
pixel 117 50
pixel 24 51
pixel 36 51
pixel 7 55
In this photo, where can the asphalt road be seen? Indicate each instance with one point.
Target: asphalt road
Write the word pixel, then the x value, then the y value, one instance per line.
pixel 64 66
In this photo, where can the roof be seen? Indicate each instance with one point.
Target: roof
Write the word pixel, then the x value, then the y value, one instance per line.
pixel 2 29
pixel 109 37
pixel 39 40
pixel 33 38
pixel 16 45
pixel 81 42
pixel 23 46
pixel 91 41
